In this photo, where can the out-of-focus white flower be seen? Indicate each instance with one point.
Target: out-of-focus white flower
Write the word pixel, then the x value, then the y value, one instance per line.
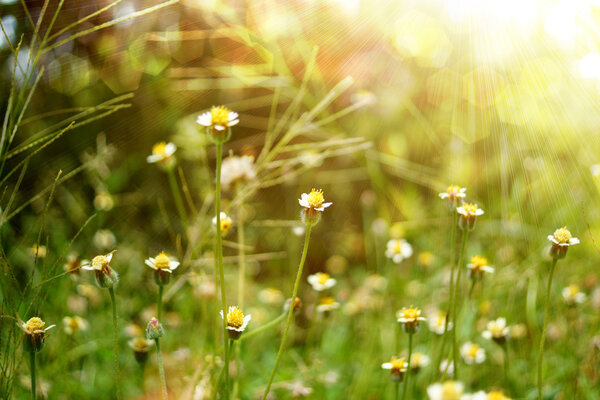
pixel 479 267
pixel 572 295
pixel 226 223
pixel 497 331
pixel 453 195
pixel 397 368
pixel 161 152
pixel 449 390
pixel 397 250
pixel 472 353
pixel 437 322
pixel 327 304
pixel 236 170
pixel 321 281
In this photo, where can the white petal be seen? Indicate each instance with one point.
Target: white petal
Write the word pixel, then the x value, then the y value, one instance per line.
pixel 312 279
pixel 204 119
pixel 443 195
pixel 170 148
pixel 153 158
pixel 486 334
pixel 109 255
pixel 387 365
pixel 232 116
pixel 325 205
pixel 173 265
pixel 150 264
pixel 574 241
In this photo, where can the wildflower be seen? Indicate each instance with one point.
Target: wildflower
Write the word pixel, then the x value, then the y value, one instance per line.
pixel 447 366
pixel 106 277
pixel 437 323
pixel 497 331
pixel 140 346
pixel 418 360
pixel 409 318
pixel 297 304
pixel 225 223
pixel 35 333
pixel 163 267
pixel 270 296
pixel 163 153
pixel 218 121
pixel 104 201
pixel 321 281
pixel 453 196
pixel 327 304
pixel 561 240
pixel 313 203
pixel 104 239
pixel 38 251
pixel 72 325
pixel 472 353
pixel 398 249
pixel 237 170
pixel 481 395
pixel 468 214
pixel 236 322
pixel 397 367
pixel 426 259
pixel 449 390
pixel 478 267
pixel 154 329
pixel 518 331
pixel 572 295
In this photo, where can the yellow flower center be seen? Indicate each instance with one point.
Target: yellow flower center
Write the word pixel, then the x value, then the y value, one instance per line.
pixel 449 391
pixel 140 344
pixel 235 318
pixel 411 313
pixel 225 225
pixel 453 190
pixel 398 364
pixel 159 148
pixel 470 208
pixel 562 235
pixel 73 324
pixel 398 247
pixel 473 349
pixel 495 395
pixel 327 300
pixel 322 278
pixel 315 198
pixel 99 261
pixel 573 290
pixel 35 324
pixel 219 115
pixel 161 261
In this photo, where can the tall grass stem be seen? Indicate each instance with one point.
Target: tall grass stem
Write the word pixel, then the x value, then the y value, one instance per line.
pixel 540 380
pixel 113 300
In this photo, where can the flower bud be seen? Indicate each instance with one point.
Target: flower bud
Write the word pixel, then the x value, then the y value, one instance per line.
pixel 154 329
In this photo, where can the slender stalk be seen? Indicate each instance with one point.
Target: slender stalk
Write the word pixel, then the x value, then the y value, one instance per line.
pixel 161 371
pixel 451 288
pixel 241 250
pixel 219 248
pixel 290 312
pixel 406 378
pixel 540 380
pixel 111 291
pixel 159 305
pixel 311 327
pixel 177 196
pixel 506 367
pixel 455 302
pixel 32 364
pixel 397 391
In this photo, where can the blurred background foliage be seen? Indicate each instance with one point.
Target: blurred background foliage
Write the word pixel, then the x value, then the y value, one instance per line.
pixel 500 97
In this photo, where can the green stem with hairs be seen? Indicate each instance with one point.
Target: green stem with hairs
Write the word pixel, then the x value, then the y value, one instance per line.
pixel 161 371
pixel 32 365
pixel 159 305
pixel 540 380
pixel 115 341
pixel 406 378
pixel 219 248
pixel 177 196
pixel 455 302
pixel 291 310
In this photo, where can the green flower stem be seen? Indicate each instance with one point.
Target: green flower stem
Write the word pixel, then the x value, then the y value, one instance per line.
pixel 241 250
pixel 161 371
pixel 312 326
pixel 291 310
pixel 159 305
pixel 450 291
pixel 455 302
pixel 111 291
pixel 32 365
pixel 540 380
pixel 177 196
pixel 397 391
pixel 406 378
pixel 219 248
pixel 507 383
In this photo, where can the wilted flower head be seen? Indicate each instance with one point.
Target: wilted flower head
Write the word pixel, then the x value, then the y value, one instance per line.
pixel 236 322
pixel 140 346
pixel 468 214
pixel 561 240
pixel 326 304
pixel 72 325
pixel 418 360
pixel 437 322
pixel 449 390
pixel 321 281
pixel 236 170
pixel 472 353
pixel 162 152
pixel 478 267
pixel 163 267
pixel 226 223
pixel 453 196
pixel 573 295
pixel 410 318
pixel 497 331
pixel 218 120
pixel 154 329
pixel 106 277
pixel 313 203
pixel 35 333
pixel 397 250
pixel 397 368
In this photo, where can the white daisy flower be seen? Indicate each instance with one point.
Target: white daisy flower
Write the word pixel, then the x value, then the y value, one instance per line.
pixel 327 304
pixel 236 170
pixel 236 321
pixel 321 281
pixel 410 318
pixel 218 118
pixel 453 195
pixel 418 360
pixel 226 223
pixel 497 330
pixel 397 250
pixel 572 295
pixel 561 240
pixel 314 200
pixel 397 367
pixel 162 262
pixel 161 152
pixel 472 353
pixel 72 325
pixel 437 322
pixel 449 390
pixel 98 263
pixel 478 267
